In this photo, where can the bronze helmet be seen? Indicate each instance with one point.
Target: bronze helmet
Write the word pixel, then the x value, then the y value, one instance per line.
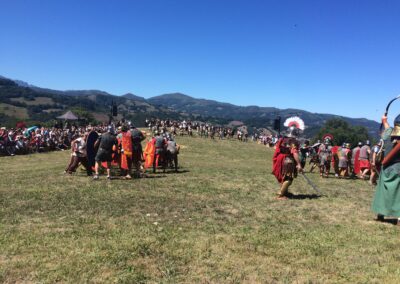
pixel 293 132
pixel 396 127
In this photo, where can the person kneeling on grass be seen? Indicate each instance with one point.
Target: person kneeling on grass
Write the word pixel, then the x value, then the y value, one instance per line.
pixel 106 142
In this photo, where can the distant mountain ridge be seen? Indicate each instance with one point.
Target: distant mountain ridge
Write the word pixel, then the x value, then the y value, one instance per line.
pixel 20 100
pixel 134 97
pixel 253 115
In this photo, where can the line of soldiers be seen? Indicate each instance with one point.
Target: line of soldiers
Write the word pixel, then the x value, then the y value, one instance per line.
pixel 362 161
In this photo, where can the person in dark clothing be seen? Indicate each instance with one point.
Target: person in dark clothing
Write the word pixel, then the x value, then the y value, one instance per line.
pixel 106 142
pixel 304 153
pixel 160 145
pixel 137 138
pixel 172 153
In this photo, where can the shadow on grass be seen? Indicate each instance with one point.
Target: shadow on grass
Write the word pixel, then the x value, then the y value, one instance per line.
pixel 392 221
pixel 148 176
pixel 155 175
pixel 303 196
pixel 178 172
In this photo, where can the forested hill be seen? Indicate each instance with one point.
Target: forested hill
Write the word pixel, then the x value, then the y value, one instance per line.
pixel 22 101
pixel 253 115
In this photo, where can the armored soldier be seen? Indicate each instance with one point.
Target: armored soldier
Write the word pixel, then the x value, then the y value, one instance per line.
pixel 286 160
pixel 160 148
pixel 304 153
pixel 325 156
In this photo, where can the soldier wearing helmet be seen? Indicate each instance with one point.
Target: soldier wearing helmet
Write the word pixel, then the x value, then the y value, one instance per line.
pixel 286 160
pixel 325 156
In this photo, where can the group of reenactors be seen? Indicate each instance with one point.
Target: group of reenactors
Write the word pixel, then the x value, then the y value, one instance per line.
pixel 382 162
pixel 122 149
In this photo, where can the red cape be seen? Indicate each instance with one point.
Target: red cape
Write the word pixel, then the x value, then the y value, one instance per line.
pixel 277 161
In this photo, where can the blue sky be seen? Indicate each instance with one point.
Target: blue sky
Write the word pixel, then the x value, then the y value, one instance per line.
pixel 337 57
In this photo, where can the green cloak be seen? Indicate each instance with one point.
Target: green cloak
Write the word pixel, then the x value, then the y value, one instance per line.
pixel 387 196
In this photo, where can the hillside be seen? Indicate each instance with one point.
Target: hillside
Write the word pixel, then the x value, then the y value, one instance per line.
pixel 22 101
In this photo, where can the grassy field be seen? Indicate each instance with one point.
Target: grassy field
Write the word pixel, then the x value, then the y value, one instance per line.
pixel 217 221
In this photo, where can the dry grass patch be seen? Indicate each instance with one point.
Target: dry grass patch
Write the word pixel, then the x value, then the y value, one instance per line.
pixel 14 111
pixel 35 102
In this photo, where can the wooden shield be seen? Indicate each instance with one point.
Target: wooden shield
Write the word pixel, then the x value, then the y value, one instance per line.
pixel 90 149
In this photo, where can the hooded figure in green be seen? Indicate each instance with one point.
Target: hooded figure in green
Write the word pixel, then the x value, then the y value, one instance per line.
pixel 387 196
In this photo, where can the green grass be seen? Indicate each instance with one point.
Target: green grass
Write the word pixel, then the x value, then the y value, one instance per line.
pixel 218 221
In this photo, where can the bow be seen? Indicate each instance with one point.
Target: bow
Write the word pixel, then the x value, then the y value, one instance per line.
pixel 388 106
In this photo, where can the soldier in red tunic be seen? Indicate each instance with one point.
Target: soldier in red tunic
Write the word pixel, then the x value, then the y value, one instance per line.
pixel 286 161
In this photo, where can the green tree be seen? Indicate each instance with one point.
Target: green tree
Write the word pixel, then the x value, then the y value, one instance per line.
pixel 342 132
pixel 84 116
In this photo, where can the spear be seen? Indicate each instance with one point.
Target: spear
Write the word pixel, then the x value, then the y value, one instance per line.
pixel 311 183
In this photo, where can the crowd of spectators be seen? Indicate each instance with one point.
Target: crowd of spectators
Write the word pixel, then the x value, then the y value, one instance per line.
pixel 209 130
pixel 20 141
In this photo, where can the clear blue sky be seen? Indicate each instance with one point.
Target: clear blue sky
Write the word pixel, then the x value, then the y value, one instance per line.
pixel 338 57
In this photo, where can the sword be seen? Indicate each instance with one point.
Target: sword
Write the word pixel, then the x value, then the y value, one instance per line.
pixel 311 183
